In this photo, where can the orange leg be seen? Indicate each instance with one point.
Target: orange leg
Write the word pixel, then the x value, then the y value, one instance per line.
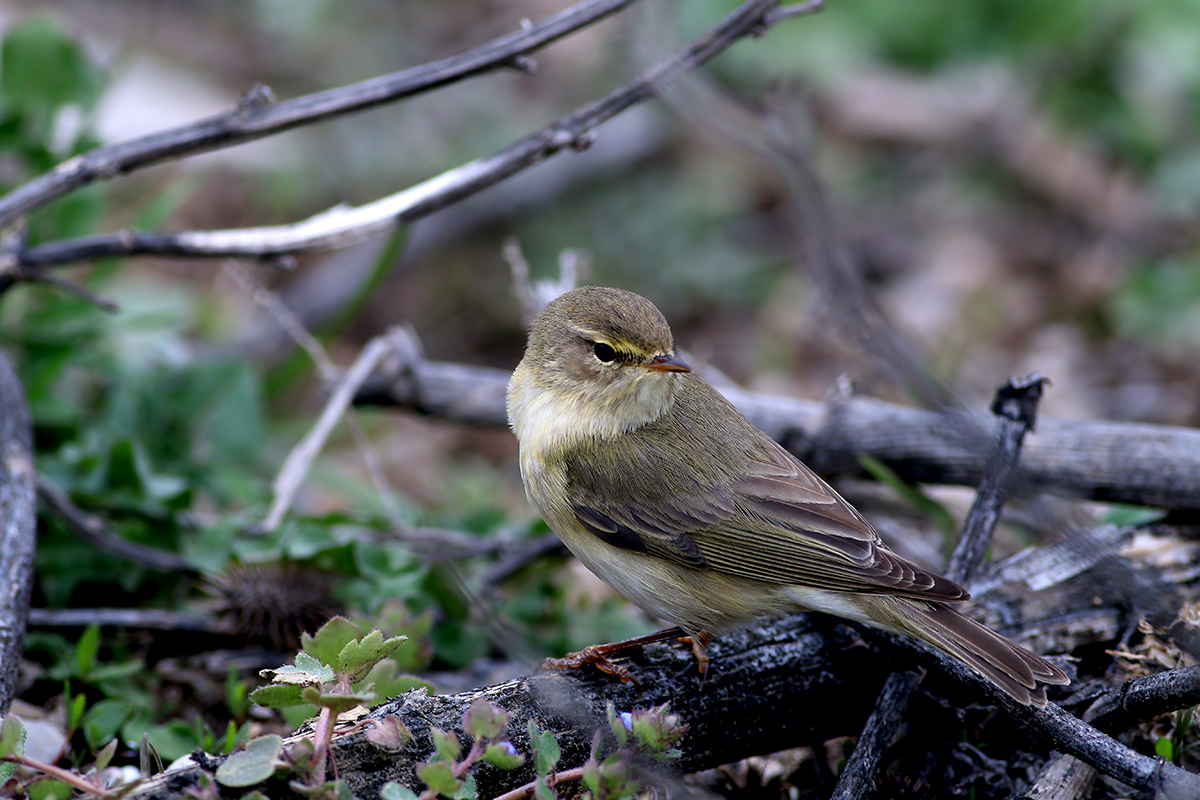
pixel 598 655
pixel 699 644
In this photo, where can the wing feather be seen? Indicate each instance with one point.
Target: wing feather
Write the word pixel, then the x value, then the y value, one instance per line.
pixel 763 516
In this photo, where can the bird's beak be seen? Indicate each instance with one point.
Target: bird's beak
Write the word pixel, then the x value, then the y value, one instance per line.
pixel 666 363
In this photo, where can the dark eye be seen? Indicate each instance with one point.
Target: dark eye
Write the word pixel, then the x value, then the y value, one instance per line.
pixel 604 352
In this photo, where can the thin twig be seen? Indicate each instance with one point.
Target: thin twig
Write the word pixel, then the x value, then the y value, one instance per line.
pixel 300 460
pixel 1016 406
pixel 1145 698
pixel 565 775
pixel 256 116
pixel 159 619
pixel 797 10
pixel 25 274
pixel 1066 733
pixel 269 301
pixel 345 225
pixel 93 530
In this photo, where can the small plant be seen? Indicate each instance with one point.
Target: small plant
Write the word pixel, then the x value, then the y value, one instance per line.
pixel 448 775
pixel 54 781
pixel 641 735
pixel 339 669
pixel 1171 747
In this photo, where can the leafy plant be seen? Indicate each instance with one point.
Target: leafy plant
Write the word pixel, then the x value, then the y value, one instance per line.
pixel 338 670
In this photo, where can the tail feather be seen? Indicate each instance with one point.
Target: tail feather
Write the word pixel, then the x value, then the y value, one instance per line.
pixel 1006 664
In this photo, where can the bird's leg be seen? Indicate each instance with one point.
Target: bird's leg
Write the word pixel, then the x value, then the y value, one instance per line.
pixel 699 644
pixel 598 655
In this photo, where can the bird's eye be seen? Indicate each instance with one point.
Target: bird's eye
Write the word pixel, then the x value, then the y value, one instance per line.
pixel 604 352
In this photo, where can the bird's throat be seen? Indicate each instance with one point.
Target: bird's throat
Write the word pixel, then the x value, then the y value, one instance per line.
pixel 549 420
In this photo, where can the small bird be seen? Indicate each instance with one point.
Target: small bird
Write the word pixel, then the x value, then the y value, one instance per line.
pixel 664 490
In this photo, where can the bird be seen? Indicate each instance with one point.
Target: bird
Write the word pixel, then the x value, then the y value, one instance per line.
pixel 671 496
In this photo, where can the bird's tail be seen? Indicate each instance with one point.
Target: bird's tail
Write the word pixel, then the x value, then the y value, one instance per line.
pixel 1006 664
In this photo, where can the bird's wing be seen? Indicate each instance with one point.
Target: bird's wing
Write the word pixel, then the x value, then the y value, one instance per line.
pixel 776 522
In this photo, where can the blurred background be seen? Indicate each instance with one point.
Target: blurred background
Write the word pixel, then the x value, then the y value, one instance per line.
pixel 1016 183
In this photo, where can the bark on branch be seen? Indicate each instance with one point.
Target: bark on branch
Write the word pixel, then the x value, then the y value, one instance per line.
pixel 344 225
pixel 1121 462
pixel 18 524
pixel 788 682
pixel 257 116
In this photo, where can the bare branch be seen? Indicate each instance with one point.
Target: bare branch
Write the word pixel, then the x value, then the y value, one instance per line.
pixel 92 530
pixel 256 116
pixel 18 525
pixel 345 225
pixel 747 706
pixel 1119 462
pixel 1015 406
pixel 298 462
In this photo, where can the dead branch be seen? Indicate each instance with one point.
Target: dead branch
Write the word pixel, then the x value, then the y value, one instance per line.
pixel 92 530
pixel 786 683
pixel 1015 407
pixel 343 225
pixel 18 523
pixel 1120 462
pixel 257 116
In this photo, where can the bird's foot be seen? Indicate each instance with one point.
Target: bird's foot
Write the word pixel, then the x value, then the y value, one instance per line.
pixel 599 655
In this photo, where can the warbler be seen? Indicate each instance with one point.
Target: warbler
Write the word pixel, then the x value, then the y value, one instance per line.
pixel 664 490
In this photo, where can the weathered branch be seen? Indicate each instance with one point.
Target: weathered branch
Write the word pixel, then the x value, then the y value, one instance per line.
pixel 786 683
pixel 257 116
pixel 1015 407
pixel 1121 462
pixel 18 524
pixel 1145 698
pixel 92 530
pixel 344 225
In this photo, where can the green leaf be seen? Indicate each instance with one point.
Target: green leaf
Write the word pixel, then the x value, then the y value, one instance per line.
pixel 389 684
pixel 170 740
pixel 295 716
pixel 617 724
pixel 42 68
pixel 105 755
pixel 338 703
pixel 10 736
pixel 396 791
pixel 1164 748
pixel 1124 516
pixel 546 748
pixel 78 706
pixel 482 721
pixel 103 720
pixel 358 656
pixel 307 672
pixel 49 789
pixel 468 791
pixel 236 691
pixel 542 790
pixel 439 777
pixel 447 744
pixel 254 764
pixel 503 755
pixel 277 696
pixel 329 640
pixel 86 651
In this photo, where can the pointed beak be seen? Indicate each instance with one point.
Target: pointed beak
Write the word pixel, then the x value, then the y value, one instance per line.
pixel 666 363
